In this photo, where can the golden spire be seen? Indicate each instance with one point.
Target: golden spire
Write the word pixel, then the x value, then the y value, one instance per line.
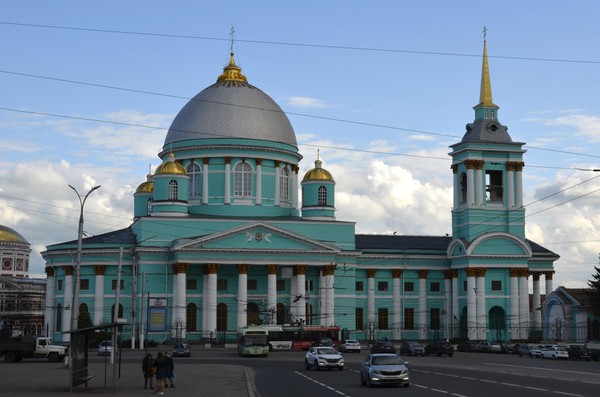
pixel 485 96
pixel 232 71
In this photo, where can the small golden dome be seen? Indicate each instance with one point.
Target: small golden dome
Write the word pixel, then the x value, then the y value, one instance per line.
pixel 318 173
pixel 146 187
pixel 8 235
pixel 170 166
pixel 232 72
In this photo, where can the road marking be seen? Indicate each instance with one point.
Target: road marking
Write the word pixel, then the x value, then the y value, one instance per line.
pixel 535 388
pixel 341 393
pixel 568 394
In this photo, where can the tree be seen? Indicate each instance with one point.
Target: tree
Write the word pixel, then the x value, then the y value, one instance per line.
pixel 594 292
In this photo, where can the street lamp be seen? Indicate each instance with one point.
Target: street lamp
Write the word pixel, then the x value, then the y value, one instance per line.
pixel 75 305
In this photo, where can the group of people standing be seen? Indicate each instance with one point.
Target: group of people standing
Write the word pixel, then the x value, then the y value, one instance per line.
pixel 162 367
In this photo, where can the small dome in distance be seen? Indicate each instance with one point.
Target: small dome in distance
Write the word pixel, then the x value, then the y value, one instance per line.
pixel 146 187
pixel 9 235
pixel 318 173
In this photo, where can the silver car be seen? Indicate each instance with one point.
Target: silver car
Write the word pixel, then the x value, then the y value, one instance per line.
pixel 384 369
pixel 323 357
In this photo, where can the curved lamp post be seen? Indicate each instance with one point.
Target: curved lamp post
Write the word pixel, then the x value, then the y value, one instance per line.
pixel 75 304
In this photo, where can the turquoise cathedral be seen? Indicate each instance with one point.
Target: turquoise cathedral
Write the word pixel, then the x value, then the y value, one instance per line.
pixel 227 234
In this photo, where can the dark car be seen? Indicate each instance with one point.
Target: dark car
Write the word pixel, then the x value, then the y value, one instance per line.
pixel 578 352
pixel 383 347
pixel 439 348
pixel 412 349
pixel 466 346
pixel 181 350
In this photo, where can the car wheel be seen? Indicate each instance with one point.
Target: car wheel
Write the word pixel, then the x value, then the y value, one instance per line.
pixel 369 382
pixel 316 364
pixel 553 357
pixel 362 381
pixel 406 384
pixel 306 364
pixel 450 355
pixel 340 368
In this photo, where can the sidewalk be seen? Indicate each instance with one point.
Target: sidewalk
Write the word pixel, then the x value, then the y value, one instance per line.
pixel 36 379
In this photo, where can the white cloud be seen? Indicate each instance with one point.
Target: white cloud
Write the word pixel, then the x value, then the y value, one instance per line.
pixel 306 102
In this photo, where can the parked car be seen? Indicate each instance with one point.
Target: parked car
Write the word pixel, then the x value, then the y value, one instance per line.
pixel 328 342
pixel 384 369
pixel 490 347
pixel 412 349
pixel 181 350
pixel 383 346
pixel 579 352
pixel 439 348
pixel 507 348
pixel 105 348
pixel 350 345
pixel 466 346
pixel 323 357
pixel 535 351
pixel 555 352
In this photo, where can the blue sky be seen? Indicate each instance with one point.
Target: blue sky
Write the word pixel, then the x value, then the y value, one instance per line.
pixel 381 88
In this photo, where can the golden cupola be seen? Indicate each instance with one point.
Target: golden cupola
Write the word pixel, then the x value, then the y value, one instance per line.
pixel 146 187
pixel 318 173
pixel 170 166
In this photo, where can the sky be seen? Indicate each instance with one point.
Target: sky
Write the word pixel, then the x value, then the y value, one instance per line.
pixel 381 89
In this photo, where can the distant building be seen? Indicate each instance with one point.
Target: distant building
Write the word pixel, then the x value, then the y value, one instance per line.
pixel 21 298
pixel 221 239
pixel 569 316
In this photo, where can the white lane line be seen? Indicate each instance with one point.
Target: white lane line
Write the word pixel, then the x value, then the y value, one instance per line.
pixel 440 391
pixel 510 384
pixel 488 381
pixel 535 388
pixel 568 394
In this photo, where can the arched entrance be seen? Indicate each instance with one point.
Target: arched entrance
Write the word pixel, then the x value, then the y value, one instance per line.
pixel 253 314
pixel 497 324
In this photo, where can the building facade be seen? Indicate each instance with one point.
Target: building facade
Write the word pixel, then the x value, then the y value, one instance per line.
pixel 227 234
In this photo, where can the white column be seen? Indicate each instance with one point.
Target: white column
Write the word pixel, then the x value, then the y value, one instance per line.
pixel 99 296
pixel 371 296
pixel 455 183
pixel 470 188
pixel 455 311
pixel 295 187
pixel 205 182
pixel 258 182
pixel 67 302
pixel 322 298
pixel 227 198
pixel 448 304
pixel 481 312
pixel 301 290
pixel 479 188
pixel 205 305
pixel 211 301
pixel 471 306
pixel 519 175
pixel 242 301
pixel 293 296
pixel 329 281
pixel 515 318
pixel 277 183
pixel 50 309
pixel 422 315
pixel 510 184
pixel 549 286
pixel 179 295
pixel 396 315
pixel 272 294
pixel 524 304
pixel 536 300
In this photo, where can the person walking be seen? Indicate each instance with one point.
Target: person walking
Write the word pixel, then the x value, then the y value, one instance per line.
pixel 161 372
pixel 147 368
pixel 170 370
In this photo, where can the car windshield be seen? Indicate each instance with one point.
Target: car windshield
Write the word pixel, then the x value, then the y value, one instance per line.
pixel 386 360
pixel 327 350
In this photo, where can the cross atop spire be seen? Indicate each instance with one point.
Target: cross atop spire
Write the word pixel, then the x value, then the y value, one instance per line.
pixel 231 33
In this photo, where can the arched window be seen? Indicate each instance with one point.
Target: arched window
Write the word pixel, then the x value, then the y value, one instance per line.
pixel 173 189
pixel 221 317
pixel 284 184
pixel 322 196
pixel 191 314
pixel 112 312
pixel 195 182
pixel 58 322
pixel 242 180
pixel 463 188
pixel 253 314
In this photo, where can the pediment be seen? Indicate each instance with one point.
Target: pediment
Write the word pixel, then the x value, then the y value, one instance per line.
pixel 255 236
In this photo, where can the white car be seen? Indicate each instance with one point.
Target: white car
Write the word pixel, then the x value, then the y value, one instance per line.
pixel 323 357
pixel 350 345
pixel 555 352
pixel 384 369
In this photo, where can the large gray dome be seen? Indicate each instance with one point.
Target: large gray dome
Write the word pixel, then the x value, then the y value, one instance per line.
pixel 231 108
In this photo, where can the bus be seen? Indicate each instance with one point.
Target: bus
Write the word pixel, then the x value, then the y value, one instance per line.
pixel 301 337
pixel 253 342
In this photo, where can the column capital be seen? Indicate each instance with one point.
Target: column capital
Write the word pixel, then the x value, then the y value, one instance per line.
pixel 272 269
pixel 480 271
pixel 212 268
pixel 227 160
pixel 536 276
pixel 68 270
pixel 423 273
pixel 471 271
pixel 301 270
pixel 514 272
pixel 396 273
pixel 470 164
pixel 328 270
pixel 454 168
pixel 371 273
pixel 258 161
pixel 100 269
pixel 49 271
pixel 180 268
pixel 549 274
pixel 452 273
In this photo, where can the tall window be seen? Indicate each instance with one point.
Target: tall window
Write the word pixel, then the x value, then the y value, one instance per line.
pixel 463 188
pixel 493 186
pixel 434 315
pixel 409 318
pixel 221 317
pixel 195 182
pixel 359 324
pixel 382 315
pixel 173 189
pixel 309 314
pixel 359 286
pixel 58 322
pixel 191 315
pixel 281 313
pixel 322 196
pixel 284 184
pixel 382 286
pixel 242 180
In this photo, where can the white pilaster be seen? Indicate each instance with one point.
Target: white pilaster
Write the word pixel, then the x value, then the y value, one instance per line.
pixel 272 296
pixel 242 304
pixel 481 312
pixel 205 183
pixel 258 183
pixel 471 308
pixel 396 315
pixel 99 299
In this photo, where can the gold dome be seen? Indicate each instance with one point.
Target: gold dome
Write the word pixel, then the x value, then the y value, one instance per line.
pixel 8 235
pixel 232 72
pixel 318 173
pixel 146 187
pixel 170 166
